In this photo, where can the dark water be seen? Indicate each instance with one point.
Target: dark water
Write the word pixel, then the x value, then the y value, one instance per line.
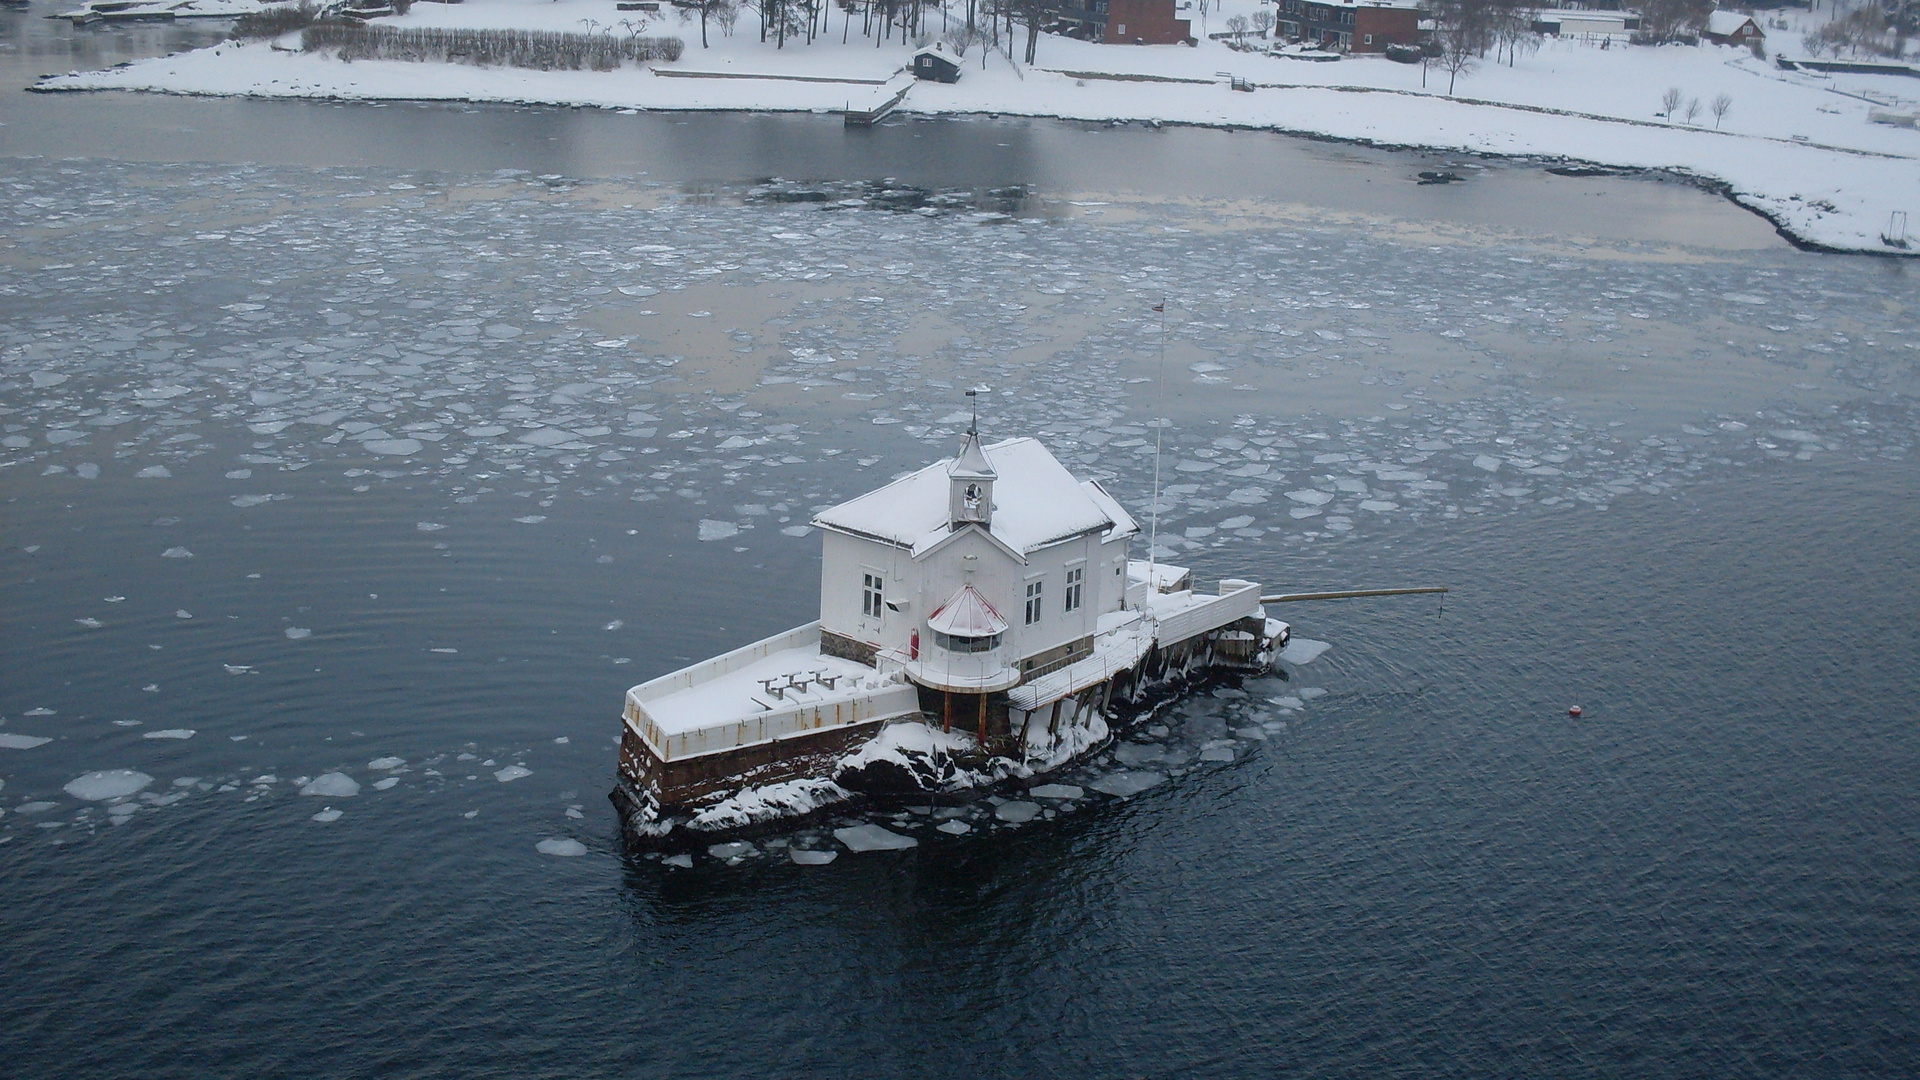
pixel 273 472
pixel 1436 872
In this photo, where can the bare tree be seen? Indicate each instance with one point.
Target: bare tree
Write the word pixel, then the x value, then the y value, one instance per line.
pixel 1670 101
pixel 709 9
pixel 1720 106
pixel 1665 20
pixel 1475 23
pixel 1864 29
pixel 1262 22
pixel 1693 109
pixel 1457 49
pixel 1032 14
pixel 1237 26
pixel 1513 31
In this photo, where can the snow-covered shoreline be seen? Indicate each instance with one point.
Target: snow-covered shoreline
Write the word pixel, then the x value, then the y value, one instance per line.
pixel 1796 150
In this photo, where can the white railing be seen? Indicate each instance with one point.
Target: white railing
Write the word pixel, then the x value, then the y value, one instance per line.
pixel 1110 659
pixel 853 705
pixel 1210 614
pixel 726 663
pixel 857 707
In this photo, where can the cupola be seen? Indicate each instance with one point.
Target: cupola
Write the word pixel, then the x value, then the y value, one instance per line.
pixel 970 485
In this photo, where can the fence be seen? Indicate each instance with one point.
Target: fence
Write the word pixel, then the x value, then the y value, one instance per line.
pixel 537 49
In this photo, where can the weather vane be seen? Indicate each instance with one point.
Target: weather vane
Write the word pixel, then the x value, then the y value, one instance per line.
pixel 973 401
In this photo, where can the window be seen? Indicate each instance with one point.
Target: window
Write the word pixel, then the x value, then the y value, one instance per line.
pixel 872 602
pixel 1076 588
pixel 955 644
pixel 1033 601
pixel 1122 32
pixel 1369 39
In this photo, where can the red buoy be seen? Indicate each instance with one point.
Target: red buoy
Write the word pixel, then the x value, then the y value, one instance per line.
pixel 1575 711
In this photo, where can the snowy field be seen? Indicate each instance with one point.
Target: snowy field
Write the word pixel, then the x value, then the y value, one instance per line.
pixel 1797 148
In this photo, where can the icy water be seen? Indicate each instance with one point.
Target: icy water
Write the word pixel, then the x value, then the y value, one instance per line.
pixel 343 499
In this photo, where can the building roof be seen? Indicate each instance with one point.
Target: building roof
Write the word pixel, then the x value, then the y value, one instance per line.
pixel 972 464
pixel 1726 23
pixel 1555 15
pixel 1036 502
pixel 967 614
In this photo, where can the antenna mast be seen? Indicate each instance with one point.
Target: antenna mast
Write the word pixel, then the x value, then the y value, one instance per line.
pixel 1159 425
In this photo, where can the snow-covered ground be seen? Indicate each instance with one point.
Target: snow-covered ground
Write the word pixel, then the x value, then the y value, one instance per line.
pixel 1798 148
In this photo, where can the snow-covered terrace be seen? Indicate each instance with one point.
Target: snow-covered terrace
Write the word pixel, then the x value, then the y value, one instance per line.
pixel 775 688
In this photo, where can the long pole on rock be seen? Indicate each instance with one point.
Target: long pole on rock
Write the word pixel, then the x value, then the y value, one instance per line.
pixel 1354 594
pixel 1349 594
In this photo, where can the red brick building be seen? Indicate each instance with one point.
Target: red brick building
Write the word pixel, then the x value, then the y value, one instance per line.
pixel 1143 22
pixel 1360 26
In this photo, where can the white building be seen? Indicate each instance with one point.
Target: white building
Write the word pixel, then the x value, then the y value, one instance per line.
pixel 974 573
pixel 1585 24
pixel 988 595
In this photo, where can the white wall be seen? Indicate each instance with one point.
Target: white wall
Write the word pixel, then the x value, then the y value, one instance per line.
pixel 929 581
pixel 843 559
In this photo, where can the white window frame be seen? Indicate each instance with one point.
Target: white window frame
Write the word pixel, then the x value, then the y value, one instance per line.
pixel 1076 594
pixel 1036 600
pixel 873 594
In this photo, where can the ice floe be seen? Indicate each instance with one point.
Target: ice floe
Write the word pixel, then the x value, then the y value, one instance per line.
pixel 333 785
pixel 1126 783
pixel 1303 651
pixel 107 784
pixel 873 838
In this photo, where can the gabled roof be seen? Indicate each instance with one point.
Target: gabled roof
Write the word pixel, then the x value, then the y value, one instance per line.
pixel 1036 502
pixel 967 614
pixel 1726 23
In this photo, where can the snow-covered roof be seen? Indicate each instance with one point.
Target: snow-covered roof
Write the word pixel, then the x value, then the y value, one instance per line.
pixel 1726 23
pixel 1581 15
pixel 1036 502
pixel 967 614
pixel 972 463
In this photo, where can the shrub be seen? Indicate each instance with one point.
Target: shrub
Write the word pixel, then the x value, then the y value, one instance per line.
pixel 537 49
pixel 274 21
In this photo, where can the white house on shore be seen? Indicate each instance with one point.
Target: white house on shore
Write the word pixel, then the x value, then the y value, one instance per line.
pixel 975 573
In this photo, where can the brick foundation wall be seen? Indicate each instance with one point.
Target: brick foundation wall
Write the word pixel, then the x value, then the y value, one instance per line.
pixel 847 648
